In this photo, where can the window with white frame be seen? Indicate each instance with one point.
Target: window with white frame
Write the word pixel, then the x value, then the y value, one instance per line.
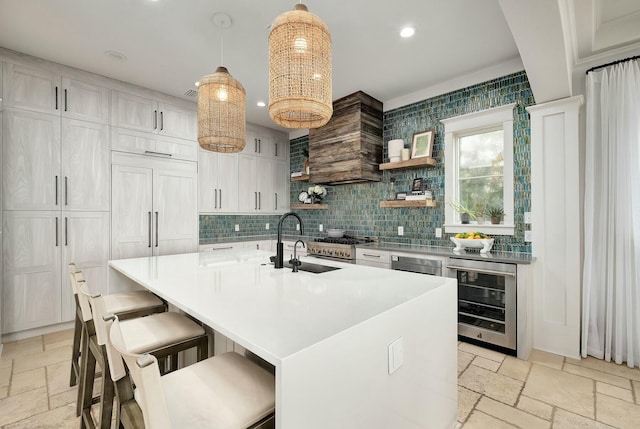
pixel 479 170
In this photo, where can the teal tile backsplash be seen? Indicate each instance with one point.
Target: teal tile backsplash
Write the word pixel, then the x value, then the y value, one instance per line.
pixel 356 207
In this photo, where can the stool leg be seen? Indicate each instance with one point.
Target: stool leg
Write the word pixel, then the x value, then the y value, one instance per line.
pixel 86 394
pixel 203 349
pixel 75 351
pixel 107 393
pixel 84 357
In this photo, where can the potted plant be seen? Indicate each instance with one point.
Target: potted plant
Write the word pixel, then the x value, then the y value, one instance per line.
pixel 496 214
pixel 466 212
pixel 316 193
pixel 479 209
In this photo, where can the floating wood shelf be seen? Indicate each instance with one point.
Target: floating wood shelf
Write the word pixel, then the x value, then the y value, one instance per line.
pixel 403 203
pixel 303 178
pixel 412 163
pixel 309 206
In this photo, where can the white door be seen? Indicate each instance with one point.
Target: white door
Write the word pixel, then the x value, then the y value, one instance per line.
pixel 131 211
pixel 175 211
pixel 31 89
pixel 31 278
pixel 227 177
pixel 264 185
pixel 31 157
pixel 84 101
pixel 247 192
pixel 131 111
pixel 84 241
pixel 85 165
pixel 177 122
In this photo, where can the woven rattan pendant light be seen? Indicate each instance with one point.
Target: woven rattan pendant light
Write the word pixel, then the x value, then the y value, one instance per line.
pixel 300 70
pixel 221 107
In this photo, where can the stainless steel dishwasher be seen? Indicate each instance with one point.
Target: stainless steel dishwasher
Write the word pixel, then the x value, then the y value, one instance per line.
pixel 417 264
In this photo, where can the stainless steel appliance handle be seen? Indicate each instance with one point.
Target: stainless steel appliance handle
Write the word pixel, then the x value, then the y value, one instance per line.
pixel 149 229
pixel 150 152
pixel 157 216
pixel 481 270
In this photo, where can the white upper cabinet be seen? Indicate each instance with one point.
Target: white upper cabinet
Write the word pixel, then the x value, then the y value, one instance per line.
pixel 266 144
pixel 280 178
pixel 217 182
pixel 144 114
pixel 31 161
pixel 44 91
pixel 132 141
pixel 31 88
pixel 84 101
pixel 85 165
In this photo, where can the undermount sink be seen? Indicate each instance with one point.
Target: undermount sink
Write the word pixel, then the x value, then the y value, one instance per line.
pixel 313 268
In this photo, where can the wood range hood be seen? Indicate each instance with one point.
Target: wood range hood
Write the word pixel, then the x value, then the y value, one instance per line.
pixel 348 149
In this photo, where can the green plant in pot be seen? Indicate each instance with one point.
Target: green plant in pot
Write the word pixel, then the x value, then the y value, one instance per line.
pixel 496 214
pixel 466 212
pixel 480 210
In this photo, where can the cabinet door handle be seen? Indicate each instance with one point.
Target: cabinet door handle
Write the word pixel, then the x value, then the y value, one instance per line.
pixel 151 152
pixel 155 119
pixel 149 229
pixel 65 100
pixel 259 146
pixel 276 205
pixel 259 201
pixel 255 145
pixel 481 270
pixel 56 231
pixel 157 229
pixel 66 191
pixel 370 256
pixel 276 149
pixel 220 191
pixel 215 198
pixel 255 200
pixel 56 190
pixel 56 97
pixel 66 228
pixel 161 121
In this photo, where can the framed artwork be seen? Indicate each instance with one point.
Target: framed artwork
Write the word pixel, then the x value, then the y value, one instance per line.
pixel 422 144
pixel 417 185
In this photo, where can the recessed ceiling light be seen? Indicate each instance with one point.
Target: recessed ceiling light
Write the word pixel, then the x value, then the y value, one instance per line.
pixel 261 103
pixel 197 84
pixel 407 32
pixel 116 56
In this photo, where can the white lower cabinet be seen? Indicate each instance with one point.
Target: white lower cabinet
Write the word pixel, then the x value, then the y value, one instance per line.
pixel 154 207
pixel 37 247
pixel 373 258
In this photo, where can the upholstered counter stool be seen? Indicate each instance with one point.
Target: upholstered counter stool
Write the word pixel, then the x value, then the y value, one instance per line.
pixel 223 392
pixel 126 305
pixel 161 334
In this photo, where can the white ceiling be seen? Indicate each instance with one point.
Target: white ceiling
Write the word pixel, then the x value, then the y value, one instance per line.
pixel 170 44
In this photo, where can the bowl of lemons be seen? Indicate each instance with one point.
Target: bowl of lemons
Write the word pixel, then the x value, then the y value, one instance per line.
pixel 472 240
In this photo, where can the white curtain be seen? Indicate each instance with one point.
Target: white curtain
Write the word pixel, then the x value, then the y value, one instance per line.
pixel 611 276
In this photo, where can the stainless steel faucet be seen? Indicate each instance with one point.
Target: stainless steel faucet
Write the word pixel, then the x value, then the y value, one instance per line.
pixel 279 262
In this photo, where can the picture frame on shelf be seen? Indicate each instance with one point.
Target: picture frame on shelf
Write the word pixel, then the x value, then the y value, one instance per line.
pixel 422 144
pixel 417 184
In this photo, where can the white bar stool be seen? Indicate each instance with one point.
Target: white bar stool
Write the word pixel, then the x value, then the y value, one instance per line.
pixel 223 392
pixel 161 334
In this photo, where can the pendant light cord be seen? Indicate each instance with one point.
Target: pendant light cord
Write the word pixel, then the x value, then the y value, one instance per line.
pixel 222 47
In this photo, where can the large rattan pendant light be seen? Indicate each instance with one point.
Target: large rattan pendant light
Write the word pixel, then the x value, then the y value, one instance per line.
pixel 300 70
pixel 221 106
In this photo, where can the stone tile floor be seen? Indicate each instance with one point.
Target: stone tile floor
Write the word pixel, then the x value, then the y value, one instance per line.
pixel 494 391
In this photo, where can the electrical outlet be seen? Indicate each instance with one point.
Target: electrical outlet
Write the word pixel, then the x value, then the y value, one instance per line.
pixel 297 227
pixel 237 228
pixel 401 230
pixel 527 218
pixel 527 236
pixel 438 232
pixel 266 226
pixel 320 228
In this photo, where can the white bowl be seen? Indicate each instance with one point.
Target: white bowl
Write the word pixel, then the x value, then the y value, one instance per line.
pixel 484 243
pixel 335 233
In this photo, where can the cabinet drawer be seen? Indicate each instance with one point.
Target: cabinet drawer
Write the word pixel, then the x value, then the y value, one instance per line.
pixel 373 255
pixel 125 140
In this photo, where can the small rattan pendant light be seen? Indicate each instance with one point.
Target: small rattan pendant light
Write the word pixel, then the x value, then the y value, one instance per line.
pixel 300 70
pixel 221 106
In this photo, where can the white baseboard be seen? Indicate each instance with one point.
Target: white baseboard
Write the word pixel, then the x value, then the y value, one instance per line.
pixel 21 335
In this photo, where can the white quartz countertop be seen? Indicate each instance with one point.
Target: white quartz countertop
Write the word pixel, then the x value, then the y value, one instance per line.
pixel 274 312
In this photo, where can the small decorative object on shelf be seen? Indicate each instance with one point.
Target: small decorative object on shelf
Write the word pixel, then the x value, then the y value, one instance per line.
pixel 422 144
pixel 316 193
pixel 496 214
pixel 466 213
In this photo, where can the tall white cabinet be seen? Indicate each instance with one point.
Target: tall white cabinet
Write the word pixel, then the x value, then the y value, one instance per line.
pixel 55 182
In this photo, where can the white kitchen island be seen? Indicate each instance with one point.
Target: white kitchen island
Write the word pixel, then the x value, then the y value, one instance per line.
pixel 327 335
